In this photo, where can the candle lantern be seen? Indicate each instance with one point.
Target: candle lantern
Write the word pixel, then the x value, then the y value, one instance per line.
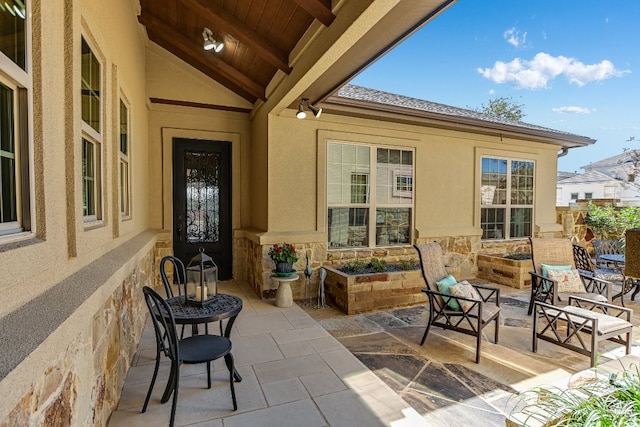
pixel 202 279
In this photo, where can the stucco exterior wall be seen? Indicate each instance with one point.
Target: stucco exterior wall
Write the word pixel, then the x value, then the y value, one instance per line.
pixel 447 188
pixel 62 374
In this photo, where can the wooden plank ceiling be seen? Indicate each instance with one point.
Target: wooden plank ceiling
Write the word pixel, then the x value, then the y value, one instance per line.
pixel 258 36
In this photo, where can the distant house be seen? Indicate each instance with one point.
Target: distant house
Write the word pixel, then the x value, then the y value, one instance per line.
pixel 610 178
pixel 589 185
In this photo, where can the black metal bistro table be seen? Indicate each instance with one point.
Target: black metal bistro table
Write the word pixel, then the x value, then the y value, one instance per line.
pixel 616 259
pixel 219 307
pixel 629 282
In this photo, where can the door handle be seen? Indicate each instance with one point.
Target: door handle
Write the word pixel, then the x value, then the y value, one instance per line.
pixel 179 228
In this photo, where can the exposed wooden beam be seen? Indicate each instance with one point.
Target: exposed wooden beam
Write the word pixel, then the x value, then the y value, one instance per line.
pixel 319 9
pixel 226 22
pixel 199 105
pixel 206 62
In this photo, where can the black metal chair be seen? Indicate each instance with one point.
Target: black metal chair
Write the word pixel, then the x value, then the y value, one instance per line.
pixel 479 313
pixel 179 276
pixel 192 350
pixel 615 275
pixel 606 247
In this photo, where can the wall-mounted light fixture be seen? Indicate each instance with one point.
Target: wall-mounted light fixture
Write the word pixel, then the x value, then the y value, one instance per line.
pixel 304 103
pixel 209 42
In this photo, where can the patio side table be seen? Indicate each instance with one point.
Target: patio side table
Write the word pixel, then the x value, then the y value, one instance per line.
pixel 284 296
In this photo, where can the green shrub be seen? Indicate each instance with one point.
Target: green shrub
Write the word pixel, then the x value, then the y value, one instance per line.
pixel 409 264
pixel 378 265
pixel 612 401
pixel 356 266
pixel 607 222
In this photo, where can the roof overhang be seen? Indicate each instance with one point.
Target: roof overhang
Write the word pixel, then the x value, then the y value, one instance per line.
pixel 396 114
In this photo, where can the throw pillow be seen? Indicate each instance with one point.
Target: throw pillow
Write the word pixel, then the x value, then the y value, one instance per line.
pixel 443 286
pixel 545 268
pixel 568 280
pixel 464 289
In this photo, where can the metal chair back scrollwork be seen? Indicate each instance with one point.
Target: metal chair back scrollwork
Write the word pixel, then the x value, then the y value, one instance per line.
pixel 605 247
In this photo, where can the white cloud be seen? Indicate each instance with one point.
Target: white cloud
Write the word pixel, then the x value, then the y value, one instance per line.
pixel 572 110
pixel 513 37
pixel 536 73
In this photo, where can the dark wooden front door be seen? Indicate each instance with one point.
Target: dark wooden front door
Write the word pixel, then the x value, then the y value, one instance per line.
pixel 202 201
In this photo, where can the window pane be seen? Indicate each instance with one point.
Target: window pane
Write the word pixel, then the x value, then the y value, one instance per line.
pixel 348 227
pixel 520 222
pixel 124 129
pixel 494 181
pixel 343 162
pixel 8 196
pixel 13 41
pixel 8 209
pixel 392 226
pixel 124 188
pixel 88 179
pixel 394 177
pixel 521 183
pixel 492 223
pixel 359 188
pixel 90 87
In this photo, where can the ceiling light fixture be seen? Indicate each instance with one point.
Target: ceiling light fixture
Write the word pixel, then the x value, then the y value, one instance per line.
pixel 209 42
pixel 304 102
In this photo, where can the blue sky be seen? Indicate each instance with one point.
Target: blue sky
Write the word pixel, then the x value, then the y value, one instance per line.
pixel 573 64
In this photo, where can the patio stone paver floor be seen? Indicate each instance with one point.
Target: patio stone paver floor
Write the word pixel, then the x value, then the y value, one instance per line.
pixel 440 380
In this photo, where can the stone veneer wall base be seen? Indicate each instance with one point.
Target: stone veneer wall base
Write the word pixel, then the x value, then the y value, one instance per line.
pixel 72 346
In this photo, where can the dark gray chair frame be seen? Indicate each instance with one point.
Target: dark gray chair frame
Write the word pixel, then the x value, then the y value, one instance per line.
pixel 483 311
pixel 582 325
pixel 586 265
pixel 192 350
pixel 557 251
pixel 605 246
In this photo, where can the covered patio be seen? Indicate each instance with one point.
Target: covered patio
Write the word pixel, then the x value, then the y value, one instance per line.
pixel 102 103
pixel 319 367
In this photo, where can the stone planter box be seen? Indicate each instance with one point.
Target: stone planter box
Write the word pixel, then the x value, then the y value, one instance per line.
pixel 510 272
pixel 361 293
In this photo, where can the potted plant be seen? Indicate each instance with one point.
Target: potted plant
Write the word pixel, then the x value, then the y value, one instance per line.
pixel 283 256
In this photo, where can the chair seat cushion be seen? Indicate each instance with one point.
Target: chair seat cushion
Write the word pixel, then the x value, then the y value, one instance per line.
pixel 606 323
pixel 202 348
pixel 489 311
pixel 611 274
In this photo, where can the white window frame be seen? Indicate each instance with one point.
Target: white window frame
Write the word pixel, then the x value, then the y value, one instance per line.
pixel 20 81
pixel 124 162
pixel 94 137
pixel 372 204
pixel 508 206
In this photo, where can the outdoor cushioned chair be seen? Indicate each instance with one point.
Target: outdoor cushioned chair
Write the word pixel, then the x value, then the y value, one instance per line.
pixel 555 257
pixel 477 305
pixel 582 325
pixel 191 350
